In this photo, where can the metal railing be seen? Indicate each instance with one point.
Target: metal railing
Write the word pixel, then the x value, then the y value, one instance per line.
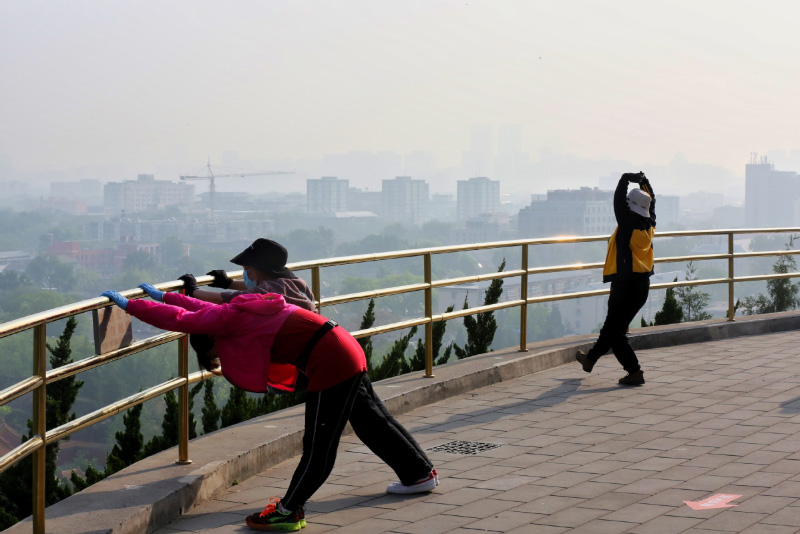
pixel 40 377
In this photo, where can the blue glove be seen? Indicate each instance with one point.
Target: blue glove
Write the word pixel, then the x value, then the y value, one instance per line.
pixel 116 298
pixel 154 293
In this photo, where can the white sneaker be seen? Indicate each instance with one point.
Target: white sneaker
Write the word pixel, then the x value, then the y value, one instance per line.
pixel 426 484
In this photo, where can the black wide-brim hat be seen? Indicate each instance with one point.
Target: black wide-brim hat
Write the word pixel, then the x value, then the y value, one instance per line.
pixel 267 256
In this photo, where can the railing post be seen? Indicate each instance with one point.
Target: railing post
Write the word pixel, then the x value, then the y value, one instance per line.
pixel 429 315
pixel 731 309
pixel 523 294
pixel 39 426
pixel 316 287
pixel 183 402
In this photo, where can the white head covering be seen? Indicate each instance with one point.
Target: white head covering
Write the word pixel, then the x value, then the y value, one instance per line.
pixel 639 202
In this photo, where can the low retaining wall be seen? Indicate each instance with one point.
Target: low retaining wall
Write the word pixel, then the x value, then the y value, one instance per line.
pixel 153 492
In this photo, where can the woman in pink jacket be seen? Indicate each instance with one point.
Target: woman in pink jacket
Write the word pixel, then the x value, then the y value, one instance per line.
pixel 261 342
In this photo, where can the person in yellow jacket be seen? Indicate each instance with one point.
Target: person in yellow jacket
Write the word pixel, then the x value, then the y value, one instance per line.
pixel 629 266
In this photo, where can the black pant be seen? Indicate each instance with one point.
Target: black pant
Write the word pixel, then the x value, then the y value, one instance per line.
pixel 626 299
pixel 327 412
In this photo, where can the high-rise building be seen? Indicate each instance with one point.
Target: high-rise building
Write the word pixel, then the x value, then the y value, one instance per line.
pixel 145 193
pixel 405 200
pixel 584 211
pixel 326 194
pixel 771 197
pixel 477 196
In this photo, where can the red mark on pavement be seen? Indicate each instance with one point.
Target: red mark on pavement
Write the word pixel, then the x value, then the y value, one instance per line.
pixel 720 500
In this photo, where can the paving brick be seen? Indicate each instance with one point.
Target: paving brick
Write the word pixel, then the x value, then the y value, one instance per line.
pixel 504 521
pixel 648 486
pixel 612 501
pixel 789 516
pixel 485 472
pixel 603 526
pixel 682 473
pixel 587 490
pixel 527 529
pixel 601 467
pixel 656 463
pixel 764 504
pixel 638 513
pixel 574 517
pixel 761 528
pixel 732 520
pixel 505 483
pixel 665 525
pixel 549 504
pixel 461 497
pixel 478 510
pixel 369 526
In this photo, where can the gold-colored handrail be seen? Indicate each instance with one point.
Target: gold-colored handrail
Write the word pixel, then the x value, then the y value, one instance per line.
pixel 40 378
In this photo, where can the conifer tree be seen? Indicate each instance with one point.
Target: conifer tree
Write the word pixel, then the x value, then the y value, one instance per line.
pixel 480 331
pixel 93 476
pixel 782 291
pixel 239 407
pixel 210 410
pixel 671 312
pixel 130 442
pixel 692 300
pixel 394 363
pixel 61 396
pixel 417 361
pixel 367 321
pixel 170 423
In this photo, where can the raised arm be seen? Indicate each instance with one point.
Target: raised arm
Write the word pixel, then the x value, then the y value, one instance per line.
pixel 621 198
pixel 207 319
pixel 186 302
pixel 644 184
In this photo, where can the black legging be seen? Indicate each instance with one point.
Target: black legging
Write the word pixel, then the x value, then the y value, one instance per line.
pixel 626 299
pixel 327 412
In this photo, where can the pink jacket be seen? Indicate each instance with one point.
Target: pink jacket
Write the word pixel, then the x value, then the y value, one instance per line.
pixel 244 331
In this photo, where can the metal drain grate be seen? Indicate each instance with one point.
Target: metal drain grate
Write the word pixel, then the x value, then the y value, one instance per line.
pixel 464 447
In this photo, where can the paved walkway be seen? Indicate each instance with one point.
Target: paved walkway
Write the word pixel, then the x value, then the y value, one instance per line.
pixel 579 454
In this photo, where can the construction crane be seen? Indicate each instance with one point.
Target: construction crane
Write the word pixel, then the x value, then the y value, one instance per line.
pixel 212 186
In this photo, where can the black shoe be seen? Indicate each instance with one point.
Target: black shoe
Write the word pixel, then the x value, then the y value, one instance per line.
pixel 633 379
pixel 273 519
pixel 584 360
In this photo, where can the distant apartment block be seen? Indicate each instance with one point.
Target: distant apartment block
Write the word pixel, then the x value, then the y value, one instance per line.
pixel 326 194
pixel 771 197
pixel 133 231
pixel 668 210
pixel 584 211
pixel 405 200
pixel 145 193
pixel 477 196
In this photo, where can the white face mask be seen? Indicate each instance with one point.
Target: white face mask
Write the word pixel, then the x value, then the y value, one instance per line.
pixel 249 283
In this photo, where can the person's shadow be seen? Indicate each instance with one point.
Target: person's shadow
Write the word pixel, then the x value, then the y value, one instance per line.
pixel 488 414
pixel 791 406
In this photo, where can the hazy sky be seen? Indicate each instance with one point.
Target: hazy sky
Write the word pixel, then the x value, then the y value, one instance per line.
pixel 148 84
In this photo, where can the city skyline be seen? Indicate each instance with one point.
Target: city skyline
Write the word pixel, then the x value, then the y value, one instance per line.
pixel 112 91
